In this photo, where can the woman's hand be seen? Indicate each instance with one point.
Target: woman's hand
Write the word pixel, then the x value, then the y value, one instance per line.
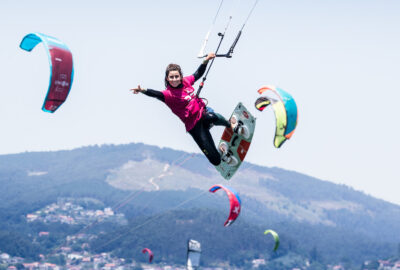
pixel 137 90
pixel 210 56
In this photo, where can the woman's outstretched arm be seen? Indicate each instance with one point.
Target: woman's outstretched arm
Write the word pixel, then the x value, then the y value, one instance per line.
pixel 149 92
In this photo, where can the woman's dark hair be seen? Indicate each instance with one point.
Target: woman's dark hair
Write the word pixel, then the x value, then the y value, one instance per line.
pixel 172 67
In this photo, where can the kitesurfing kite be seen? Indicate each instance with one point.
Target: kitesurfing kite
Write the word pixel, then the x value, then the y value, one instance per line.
pixel 275 236
pixel 234 201
pixel 150 254
pixel 285 109
pixel 61 68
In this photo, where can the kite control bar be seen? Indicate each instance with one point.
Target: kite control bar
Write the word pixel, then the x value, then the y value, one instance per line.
pixel 230 51
pixel 212 61
pixel 227 55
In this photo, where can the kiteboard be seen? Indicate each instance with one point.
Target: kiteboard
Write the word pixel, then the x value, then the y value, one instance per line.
pixel 237 144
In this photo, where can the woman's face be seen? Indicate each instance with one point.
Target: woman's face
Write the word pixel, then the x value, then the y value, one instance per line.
pixel 174 78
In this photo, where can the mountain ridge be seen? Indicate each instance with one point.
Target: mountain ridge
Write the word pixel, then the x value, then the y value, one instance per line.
pixel 150 180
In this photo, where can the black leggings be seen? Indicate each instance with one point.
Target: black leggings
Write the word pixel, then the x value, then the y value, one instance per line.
pixel 202 136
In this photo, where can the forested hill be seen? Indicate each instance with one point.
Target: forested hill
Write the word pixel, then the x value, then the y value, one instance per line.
pixel 317 217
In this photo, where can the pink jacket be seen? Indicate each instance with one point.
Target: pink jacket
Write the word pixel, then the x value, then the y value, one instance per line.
pixel 184 103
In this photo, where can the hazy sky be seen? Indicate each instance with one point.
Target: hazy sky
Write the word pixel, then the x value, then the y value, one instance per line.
pixel 339 59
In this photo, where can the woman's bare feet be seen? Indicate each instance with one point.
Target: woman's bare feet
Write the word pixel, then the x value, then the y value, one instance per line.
pixel 223 147
pixel 226 155
pixel 233 122
pixel 241 129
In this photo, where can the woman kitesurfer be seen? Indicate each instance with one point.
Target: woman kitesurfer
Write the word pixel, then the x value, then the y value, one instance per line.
pixel 180 97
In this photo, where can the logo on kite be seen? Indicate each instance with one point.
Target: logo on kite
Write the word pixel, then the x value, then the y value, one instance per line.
pixel 150 254
pixel 61 68
pixel 234 201
pixel 285 110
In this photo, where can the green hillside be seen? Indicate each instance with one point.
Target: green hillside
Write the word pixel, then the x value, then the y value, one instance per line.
pixel 317 220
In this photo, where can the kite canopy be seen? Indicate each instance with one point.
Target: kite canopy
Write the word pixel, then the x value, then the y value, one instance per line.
pixel 285 109
pixel 234 201
pixel 150 253
pixel 61 68
pixel 276 238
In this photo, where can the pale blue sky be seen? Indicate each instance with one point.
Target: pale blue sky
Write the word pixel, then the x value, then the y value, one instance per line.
pixel 339 59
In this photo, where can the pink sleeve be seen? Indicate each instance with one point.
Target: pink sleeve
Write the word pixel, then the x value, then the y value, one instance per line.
pixel 165 93
pixel 190 79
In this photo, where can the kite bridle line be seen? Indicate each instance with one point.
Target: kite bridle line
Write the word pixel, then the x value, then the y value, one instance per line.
pixel 230 51
pixel 201 53
pixel 222 35
pixel 209 67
